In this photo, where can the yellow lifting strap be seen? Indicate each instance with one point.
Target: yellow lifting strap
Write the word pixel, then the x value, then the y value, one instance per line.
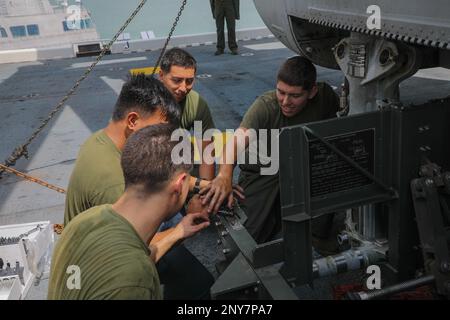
pixel 219 142
pixel 148 71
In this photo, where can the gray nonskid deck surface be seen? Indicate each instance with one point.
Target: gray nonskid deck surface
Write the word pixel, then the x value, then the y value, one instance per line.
pixel 29 91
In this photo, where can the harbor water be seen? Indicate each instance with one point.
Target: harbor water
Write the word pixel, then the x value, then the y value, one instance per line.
pixel 158 16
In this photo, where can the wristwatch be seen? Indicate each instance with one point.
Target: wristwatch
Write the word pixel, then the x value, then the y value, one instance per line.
pixel 197 185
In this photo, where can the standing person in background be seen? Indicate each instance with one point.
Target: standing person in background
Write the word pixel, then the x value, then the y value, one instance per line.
pixel 229 10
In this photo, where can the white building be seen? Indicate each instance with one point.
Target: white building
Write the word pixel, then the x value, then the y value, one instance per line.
pixel 37 24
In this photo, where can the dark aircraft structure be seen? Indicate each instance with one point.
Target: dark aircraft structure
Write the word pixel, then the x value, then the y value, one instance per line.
pixel 383 163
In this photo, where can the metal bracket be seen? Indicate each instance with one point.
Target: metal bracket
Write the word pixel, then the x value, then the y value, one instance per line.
pixel 429 193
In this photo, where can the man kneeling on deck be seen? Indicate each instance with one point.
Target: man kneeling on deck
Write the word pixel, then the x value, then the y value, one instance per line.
pixel 103 253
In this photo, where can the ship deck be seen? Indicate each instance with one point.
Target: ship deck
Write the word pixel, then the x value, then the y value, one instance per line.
pixel 29 91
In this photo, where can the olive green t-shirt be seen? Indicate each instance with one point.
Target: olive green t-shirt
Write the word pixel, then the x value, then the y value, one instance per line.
pixel 195 108
pixel 113 261
pixel 97 177
pixel 262 191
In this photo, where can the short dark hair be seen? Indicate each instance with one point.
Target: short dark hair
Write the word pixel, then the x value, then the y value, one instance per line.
pixel 146 158
pixel 145 94
pixel 177 57
pixel 299 72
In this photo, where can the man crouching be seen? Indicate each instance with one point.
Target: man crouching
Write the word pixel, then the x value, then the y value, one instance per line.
pixel 104 254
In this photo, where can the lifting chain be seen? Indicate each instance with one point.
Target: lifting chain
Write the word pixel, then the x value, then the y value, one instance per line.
pixel 169 36
pixel 32 179
pixel 22 150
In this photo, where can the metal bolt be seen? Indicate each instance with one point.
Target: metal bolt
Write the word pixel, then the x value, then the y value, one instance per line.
pixel 340 51
pixel 423 171
pixel 343 238
pixel 418 186
pixel 429 182
pixel 218 223
pixel 226 251
pixel 224 233
pixel 386 56
pixel 445 267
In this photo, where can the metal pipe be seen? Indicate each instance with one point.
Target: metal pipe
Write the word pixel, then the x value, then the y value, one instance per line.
pixel 369 216
pixel 401 287
pixel 346 261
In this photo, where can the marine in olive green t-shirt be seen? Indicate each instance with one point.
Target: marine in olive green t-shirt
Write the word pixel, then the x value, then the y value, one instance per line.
pixel 97 177
pixel 113 261
pixel 262 201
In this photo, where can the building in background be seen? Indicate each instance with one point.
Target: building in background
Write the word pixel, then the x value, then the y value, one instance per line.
pixel 26 24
